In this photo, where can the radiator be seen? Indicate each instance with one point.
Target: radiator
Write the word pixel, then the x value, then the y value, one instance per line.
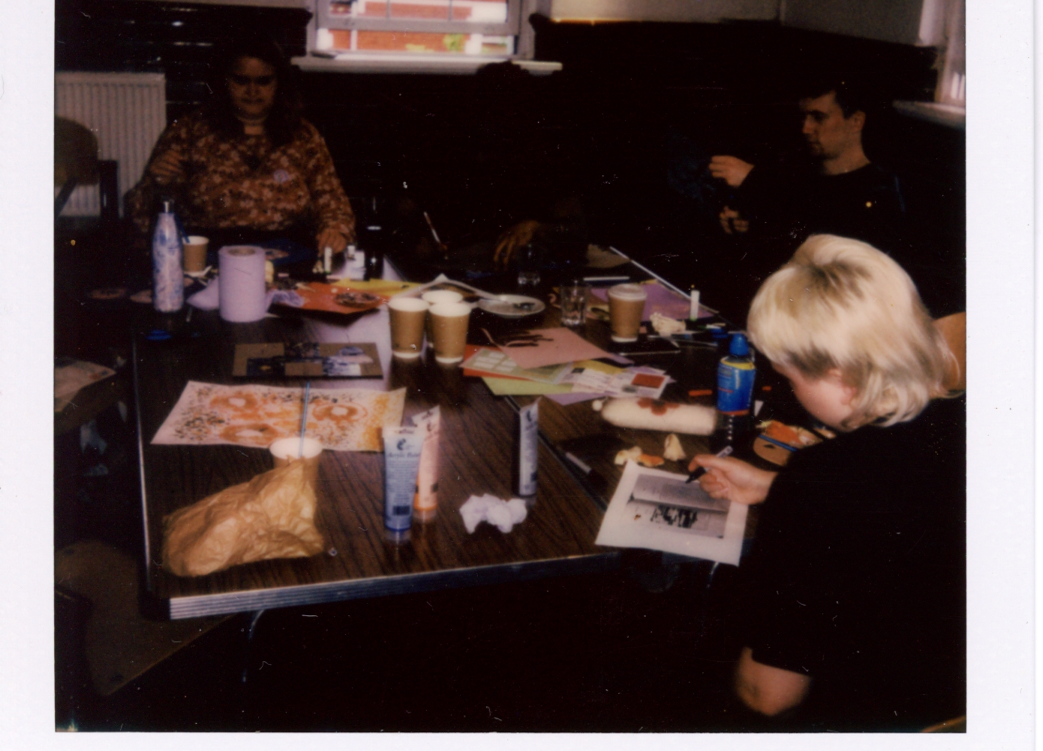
pixel 125 111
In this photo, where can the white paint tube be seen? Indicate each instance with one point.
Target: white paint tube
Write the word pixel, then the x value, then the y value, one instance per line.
pixel 528 441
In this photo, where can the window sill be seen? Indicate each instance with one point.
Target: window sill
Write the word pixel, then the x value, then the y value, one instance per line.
pixel 361 62
pixel 948 115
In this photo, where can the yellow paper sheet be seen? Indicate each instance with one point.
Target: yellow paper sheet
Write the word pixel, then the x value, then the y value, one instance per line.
pixel 377 286
pixel 515 387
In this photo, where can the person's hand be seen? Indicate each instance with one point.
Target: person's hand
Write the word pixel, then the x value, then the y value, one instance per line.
pixel 733 479
pixel 331 238
pixel 731 169
pixel 732 222
pixel 167 167
pixel 513 238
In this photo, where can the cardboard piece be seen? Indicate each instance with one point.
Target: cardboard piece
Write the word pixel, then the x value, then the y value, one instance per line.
pixel 563 346
pixel 307 360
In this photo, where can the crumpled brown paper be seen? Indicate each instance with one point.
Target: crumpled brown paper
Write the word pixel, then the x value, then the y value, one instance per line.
pixel 271 516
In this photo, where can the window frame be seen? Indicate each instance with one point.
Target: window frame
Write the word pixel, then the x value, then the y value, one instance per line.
pixel 511 27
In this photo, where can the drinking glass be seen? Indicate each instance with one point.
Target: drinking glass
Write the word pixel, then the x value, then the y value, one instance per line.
pixel 528 259
pixel 574 302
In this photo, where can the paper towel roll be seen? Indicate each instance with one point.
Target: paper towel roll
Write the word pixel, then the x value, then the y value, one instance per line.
pixel 243 296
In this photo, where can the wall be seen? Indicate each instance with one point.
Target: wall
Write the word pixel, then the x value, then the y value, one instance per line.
pixel 883 20
pixel 472 148
pixel 174 38
pixel 665 10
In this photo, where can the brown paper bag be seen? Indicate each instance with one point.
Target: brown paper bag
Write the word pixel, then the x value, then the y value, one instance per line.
pixel 271 516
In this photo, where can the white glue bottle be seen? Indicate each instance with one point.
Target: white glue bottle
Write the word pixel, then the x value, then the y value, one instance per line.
pixel 735 376
pixel 168 280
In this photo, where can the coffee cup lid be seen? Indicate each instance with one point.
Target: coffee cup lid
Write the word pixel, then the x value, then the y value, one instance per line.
pixel 628 292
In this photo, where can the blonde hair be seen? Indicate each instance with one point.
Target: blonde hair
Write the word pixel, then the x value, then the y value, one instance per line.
pixel 840 303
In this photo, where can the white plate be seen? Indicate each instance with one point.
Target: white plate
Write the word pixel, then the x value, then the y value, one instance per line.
pixel 506 306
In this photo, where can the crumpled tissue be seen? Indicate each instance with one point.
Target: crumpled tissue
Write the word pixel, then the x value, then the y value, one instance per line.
pixel 664 325
pixel 488 508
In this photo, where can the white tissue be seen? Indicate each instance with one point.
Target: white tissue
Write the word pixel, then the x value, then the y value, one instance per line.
pixel 488 508
pixel 664 326
pixel 209 298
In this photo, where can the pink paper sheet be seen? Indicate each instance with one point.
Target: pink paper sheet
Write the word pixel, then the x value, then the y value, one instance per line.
pixel 660 300
pixel 565 346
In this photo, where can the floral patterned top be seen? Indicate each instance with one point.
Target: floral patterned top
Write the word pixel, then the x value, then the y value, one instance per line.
pixel 245 182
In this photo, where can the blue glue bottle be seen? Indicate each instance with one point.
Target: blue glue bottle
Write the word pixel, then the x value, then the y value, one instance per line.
pixel 735 376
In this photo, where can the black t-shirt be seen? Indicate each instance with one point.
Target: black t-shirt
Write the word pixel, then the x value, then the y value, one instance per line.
pixel 856 576
pixel 787 203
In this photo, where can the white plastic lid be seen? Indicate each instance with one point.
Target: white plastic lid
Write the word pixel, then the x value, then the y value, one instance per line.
pixel 628 292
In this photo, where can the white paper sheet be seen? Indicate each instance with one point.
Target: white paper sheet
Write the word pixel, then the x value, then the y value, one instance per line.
pixel 690 523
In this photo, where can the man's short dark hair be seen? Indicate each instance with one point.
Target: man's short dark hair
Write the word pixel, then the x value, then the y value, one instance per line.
pixel 852 95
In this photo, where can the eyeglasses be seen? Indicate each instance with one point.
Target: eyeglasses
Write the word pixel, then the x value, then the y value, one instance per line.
pixel 239 80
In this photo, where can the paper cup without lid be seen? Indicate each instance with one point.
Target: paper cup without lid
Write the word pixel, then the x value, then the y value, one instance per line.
pixel 449 331
pixel 408 316
pixel 626 306
pixel 194 254
pixel 286 450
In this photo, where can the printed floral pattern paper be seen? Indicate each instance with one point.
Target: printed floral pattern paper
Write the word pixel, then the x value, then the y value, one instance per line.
pixel 254 415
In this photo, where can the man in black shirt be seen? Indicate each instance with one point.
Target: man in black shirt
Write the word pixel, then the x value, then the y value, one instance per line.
pixel 839 191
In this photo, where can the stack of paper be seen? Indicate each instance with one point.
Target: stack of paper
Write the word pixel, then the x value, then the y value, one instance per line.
pixel 565 382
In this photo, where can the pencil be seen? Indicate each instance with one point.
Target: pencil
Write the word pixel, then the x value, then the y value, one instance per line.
pixel 700 471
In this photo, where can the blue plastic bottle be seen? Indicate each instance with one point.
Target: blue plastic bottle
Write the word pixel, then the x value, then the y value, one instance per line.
pixel 735 376
pixel 168 280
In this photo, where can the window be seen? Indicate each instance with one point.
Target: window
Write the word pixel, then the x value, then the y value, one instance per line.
pixel 952 82
pixel 942 25
pixel 441 27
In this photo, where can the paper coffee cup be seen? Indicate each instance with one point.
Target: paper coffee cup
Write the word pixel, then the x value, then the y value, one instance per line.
pixel 408 316
pixel 626 306
pixel 435 296
pixel 287 450
pixel 449 330
pixel 193 258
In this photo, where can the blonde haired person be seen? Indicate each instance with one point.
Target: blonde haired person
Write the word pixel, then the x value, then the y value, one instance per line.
pixel 852 596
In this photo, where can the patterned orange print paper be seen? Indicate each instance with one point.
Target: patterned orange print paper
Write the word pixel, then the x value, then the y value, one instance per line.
pixel 254 415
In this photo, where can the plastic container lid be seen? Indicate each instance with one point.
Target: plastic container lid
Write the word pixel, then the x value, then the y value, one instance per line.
pixel 628 292
pixel 739 346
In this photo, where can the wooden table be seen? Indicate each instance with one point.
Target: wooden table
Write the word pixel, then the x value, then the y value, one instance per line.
pixel 556 538
pixel 477 446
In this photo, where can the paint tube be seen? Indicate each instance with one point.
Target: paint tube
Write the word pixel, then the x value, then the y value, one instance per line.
pixel 525 462
pixel 401 461
pixel 425 504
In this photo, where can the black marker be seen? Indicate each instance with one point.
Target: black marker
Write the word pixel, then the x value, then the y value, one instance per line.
pixel 700 471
